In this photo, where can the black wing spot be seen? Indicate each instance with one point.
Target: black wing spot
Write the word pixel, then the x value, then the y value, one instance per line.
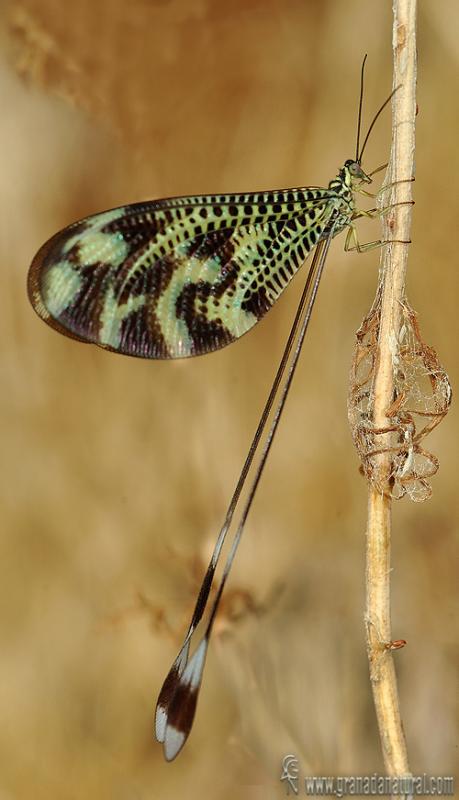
pixel 257 302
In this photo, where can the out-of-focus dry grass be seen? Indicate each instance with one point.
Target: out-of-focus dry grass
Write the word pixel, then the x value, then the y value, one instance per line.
pixel 115 472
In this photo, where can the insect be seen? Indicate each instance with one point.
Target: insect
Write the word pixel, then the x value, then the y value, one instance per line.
pixel 185 276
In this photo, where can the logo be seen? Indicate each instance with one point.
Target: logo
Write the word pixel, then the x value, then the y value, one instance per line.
pixel 290 773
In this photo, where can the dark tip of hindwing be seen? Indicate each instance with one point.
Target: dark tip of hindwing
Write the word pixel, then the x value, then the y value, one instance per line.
pixel 182 706
pixel 168 690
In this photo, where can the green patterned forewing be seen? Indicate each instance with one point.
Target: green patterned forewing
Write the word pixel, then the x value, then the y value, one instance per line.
pixel 178 277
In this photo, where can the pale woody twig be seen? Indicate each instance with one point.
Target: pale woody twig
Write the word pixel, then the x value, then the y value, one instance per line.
pixel 393 269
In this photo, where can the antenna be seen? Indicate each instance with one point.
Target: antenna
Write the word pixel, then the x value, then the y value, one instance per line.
pixel 359 155
pixel 359 120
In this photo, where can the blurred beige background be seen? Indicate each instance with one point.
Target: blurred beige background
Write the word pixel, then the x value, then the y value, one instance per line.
pixel 116 472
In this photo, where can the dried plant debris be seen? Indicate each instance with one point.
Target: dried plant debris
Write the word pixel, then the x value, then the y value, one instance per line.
pixel 393 459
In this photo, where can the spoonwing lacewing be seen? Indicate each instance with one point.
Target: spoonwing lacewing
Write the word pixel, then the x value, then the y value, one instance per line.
pixel 185 276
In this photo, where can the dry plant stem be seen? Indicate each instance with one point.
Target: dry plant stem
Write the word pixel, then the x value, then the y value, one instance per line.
pixel 393 269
